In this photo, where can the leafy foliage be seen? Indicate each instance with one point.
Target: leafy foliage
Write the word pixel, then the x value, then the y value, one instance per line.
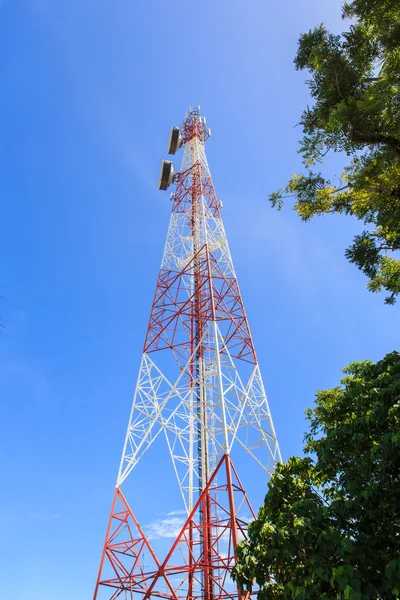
pixel 330 523
pixel 355 85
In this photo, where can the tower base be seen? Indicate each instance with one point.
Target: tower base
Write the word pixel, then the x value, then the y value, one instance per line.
pixel 200 561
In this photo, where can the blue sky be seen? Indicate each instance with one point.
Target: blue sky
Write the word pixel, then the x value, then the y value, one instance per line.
pixel 89 92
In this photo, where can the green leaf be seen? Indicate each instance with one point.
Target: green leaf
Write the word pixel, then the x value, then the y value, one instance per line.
pixel 342 580
pixel 348 592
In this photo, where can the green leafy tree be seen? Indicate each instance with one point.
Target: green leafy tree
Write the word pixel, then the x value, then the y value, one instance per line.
pixel 355 84
pixel 330 523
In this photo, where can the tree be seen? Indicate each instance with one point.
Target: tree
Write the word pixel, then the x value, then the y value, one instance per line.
pixel 330 523
pixel 355 84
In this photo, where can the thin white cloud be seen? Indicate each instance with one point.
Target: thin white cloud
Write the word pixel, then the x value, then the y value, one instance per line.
pixel 174 513
pixel 246 517
pixel 166 528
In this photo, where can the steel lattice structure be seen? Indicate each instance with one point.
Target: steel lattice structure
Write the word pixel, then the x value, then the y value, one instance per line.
pixel 200 387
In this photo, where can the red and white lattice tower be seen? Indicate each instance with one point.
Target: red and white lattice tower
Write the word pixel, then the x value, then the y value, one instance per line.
pixel 200 388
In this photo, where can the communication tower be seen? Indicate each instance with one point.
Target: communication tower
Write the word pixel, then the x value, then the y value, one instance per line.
pixel 200 388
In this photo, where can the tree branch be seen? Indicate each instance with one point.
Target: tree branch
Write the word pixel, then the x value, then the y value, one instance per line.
pixel 375 138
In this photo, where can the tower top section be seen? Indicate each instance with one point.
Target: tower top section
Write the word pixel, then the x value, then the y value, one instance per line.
pixel 193 126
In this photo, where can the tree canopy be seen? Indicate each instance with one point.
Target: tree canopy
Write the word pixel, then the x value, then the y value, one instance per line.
pixel 330 523
pixel 355 85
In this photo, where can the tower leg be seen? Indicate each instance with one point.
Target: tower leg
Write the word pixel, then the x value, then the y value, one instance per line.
pixel 103 554
pixel 128 563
